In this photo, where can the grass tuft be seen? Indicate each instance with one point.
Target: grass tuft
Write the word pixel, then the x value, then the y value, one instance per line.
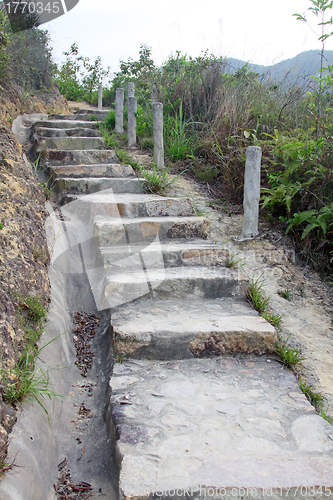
pixel 25 382
pixel 4 466
pixel 255 295
pixel 34 308
pixel 317 399
pixel 156 180
pixel 273 319
pixel 286 294
pixel 289 356
pixel 234 262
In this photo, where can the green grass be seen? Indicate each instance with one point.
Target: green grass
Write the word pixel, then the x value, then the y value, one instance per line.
pixel 317 399
pixel 290 356
pixel 34 308
pixel 156 180
pixel 110 120
pixel 234 262
pixel 273 319
pixel 254 294
pixel 4 466
pixel 24 381
pixel 127 158
pixel 286 294
pixel 324 415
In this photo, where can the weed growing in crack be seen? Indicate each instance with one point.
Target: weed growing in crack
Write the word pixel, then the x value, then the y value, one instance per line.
pixel 119 358
pixel 255 295
pixel 233 261
pixel 156 180
pixel 286 294
pixel 273 319
pixel 4 466
pixel 34 308
pixel 324 415
pixel 317 399
pixel 24 381
pixel 289 356
pixel 125 157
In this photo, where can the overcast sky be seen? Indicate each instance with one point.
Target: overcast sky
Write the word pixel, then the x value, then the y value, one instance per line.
pixel 260 31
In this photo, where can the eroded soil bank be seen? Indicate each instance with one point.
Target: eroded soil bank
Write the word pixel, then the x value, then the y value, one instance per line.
pixel 23 248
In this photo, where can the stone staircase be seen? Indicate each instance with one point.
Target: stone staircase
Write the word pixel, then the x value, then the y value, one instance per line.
pixel 199 404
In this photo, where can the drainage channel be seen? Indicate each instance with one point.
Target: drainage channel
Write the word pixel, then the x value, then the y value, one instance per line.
pixel 76 428
pixel 70 435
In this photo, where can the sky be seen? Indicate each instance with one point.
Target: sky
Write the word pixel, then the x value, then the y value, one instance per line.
pixel 258 31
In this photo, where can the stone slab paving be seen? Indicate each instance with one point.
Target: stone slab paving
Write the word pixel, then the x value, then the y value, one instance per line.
pixel 173 329
pixel 131 231
pixel 79 131
pixel 58 157
pixel 65 124
pixel 192 252
pixel 174 282
pixel 69 185
pixel 113 170
pixel 215 423
pixel 70 143
pixel 106 203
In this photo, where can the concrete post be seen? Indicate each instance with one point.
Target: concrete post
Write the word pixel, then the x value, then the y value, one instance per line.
pixel 119 127
pixel 251 192
pixel 131 121
pixel 158 134
pixel 153 93
pixel 130 91
pixel 100 97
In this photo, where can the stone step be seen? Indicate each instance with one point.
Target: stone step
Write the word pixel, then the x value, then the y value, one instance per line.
pixel 147 230
pixel 111 170
pixel 91 185
pixel 216 428
pixel 121 287
pixel 174 253
pixel 66 124
pixel 70 143
pixel 107 204
pixel 55 157
pixel 85 115
pixel 170 329
pixel 66 132
pixel 102 112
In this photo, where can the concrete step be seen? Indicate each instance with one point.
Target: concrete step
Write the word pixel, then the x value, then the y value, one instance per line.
pixel 68 185
pixel 66 132
pixel 89 112
pixel 66 124
pixel 146 230
pixel 122 286
pixel 216 428
pixel 107 204
pixel 83 114
pixel 111 170
pixel 70 143
pixel 170 329
pixel 55 157
pixel 174 253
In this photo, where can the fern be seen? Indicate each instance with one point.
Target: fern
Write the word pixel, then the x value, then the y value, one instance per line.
pixel 316 219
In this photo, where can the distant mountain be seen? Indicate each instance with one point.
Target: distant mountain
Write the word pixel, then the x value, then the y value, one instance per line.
pixel 296 70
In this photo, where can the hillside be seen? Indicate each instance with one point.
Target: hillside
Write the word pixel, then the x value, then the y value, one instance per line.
pixel 298 69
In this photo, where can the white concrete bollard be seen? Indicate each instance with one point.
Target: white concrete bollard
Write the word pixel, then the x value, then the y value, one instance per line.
pixel 119 126
pixel 158 134
pixel 100 97
pixel 130 91
pixel 251 192
pixel 131 121
pixel 153 93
